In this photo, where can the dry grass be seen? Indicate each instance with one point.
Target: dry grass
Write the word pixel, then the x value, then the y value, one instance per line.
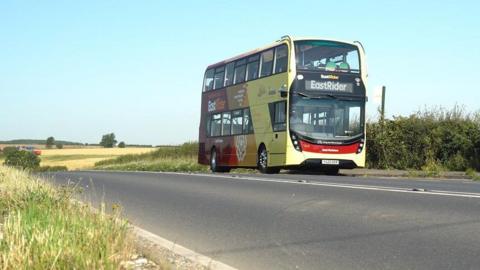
pixel 43 229
pixel 81 158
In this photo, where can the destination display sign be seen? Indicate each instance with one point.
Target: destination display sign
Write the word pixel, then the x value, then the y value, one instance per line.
pixel 333 86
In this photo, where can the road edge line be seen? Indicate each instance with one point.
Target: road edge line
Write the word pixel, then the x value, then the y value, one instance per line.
pixel 319 183
pixel 157 244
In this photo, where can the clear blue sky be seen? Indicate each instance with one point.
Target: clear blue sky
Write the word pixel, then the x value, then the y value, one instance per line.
pixel 78 69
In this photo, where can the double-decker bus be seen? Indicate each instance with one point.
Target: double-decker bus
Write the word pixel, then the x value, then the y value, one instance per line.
pixel 296 103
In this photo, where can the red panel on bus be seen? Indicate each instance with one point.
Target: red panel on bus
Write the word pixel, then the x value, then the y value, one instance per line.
pixel 329 149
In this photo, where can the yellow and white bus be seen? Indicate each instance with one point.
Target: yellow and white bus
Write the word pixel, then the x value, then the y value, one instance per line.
pixel 296 103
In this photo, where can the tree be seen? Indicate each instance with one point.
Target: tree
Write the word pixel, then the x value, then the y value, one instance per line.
pixel 108 140
pixel 50 142
pixel 121 145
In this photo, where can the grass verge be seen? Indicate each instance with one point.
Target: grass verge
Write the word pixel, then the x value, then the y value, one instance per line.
pixel 43 229
pixel 473 174
pixel 181 158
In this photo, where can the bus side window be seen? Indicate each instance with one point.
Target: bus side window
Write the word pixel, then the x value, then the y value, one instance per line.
pixel 226 123
pixel 252 67
pixel 266 63
pixel 279 116
pixel 237 122
pixel 208 81
pixel 281 59
pixel 216 128
pixel 218 78
pixel 229 74
pixel 209 125
pixel 240 71
pixel 247 122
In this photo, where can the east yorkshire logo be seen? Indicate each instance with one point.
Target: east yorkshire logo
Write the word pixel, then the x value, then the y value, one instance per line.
pixel 328 77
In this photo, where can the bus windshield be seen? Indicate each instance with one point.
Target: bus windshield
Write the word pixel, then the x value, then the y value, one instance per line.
pixel 327 56
pixel 326 118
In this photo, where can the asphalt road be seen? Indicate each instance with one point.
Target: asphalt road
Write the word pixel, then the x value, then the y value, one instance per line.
pixel 301 221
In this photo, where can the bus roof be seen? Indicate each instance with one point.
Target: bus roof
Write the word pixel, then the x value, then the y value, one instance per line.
pixel 271 45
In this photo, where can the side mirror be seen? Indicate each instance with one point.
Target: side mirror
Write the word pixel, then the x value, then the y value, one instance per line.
pixel 283 93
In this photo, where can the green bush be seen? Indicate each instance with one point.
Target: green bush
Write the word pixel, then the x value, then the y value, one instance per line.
pixel 9 149
pixel 22 159
pixel 59 146
pixel 447 138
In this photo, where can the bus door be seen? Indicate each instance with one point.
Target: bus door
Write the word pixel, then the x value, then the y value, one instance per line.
pixel 278 143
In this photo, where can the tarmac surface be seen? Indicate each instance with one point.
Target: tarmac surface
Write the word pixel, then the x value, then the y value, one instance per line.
pixel 298 221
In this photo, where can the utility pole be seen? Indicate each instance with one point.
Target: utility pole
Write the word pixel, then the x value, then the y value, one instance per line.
pixel 382 109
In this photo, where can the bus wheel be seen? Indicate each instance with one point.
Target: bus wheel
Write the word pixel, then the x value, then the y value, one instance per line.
pixel 214 163
pixel 213 160
pixel 263 162
pixel 332 171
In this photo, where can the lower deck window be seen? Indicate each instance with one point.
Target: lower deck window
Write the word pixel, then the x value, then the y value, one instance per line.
pixel 230 123
pixel 237 122
pixel 226 123
pixel 216 129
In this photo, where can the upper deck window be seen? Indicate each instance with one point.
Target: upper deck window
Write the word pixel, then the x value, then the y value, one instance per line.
pixel 281 59
pixel 229 74
pixel 327 56
pixel 208 81
pixel 218 78
pixel 240 68
pixel 263 64
pixel 266 63
pixel 252 67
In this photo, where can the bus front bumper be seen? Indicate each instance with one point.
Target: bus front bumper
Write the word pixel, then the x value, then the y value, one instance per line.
pixel 328 163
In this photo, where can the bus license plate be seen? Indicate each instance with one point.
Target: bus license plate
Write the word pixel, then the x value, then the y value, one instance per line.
pixel 330 162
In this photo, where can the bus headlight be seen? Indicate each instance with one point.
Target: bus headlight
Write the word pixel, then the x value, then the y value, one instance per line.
pixel 360 146
pixel 295 141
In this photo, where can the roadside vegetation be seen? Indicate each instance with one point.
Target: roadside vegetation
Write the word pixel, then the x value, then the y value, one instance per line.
pixel 181 158
pixel 433 141
pixel 42 228
pixel 426 143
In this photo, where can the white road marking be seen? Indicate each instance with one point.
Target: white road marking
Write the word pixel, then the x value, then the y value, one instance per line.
pixel 181 250
pixel 325 184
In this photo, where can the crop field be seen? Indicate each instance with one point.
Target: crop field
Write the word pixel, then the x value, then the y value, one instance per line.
pixel 81 158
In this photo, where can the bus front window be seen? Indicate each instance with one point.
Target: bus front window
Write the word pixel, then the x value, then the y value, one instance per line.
pixel 326 118
pixel 327 56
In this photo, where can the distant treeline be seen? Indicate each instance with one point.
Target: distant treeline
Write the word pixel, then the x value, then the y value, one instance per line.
pixel 139 145
pixel 433 138
pixel 30 141
pixel 41 142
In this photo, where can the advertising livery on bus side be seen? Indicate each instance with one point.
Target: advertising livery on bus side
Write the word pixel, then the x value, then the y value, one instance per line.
pixel 297 103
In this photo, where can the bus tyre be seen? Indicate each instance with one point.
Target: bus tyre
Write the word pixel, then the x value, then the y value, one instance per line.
pixel 332 171
pixel 214 163
pixel 263 162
